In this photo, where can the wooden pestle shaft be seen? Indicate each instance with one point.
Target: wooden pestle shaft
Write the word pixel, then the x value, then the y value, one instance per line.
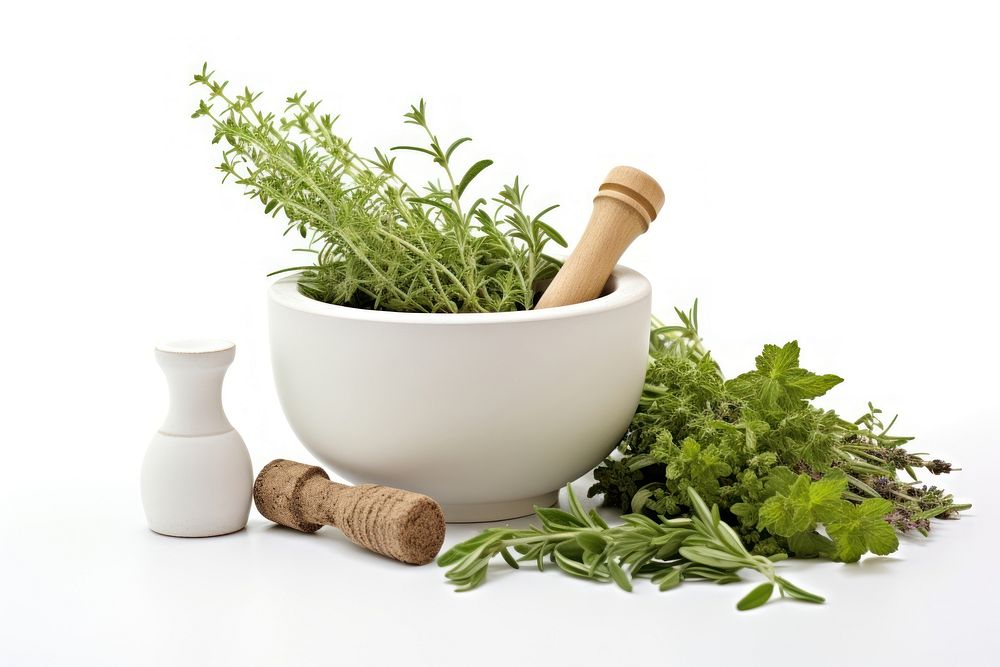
pixel 399 524
pixel 627 201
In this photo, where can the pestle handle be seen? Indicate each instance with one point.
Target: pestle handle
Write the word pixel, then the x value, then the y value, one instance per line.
pixel 399 524
pixel 627 201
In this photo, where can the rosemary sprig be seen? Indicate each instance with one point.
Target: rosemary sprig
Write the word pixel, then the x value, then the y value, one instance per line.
pixel 582 544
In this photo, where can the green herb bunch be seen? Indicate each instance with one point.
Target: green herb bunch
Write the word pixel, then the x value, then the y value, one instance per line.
pixel 791 477
pixel 667 551
pixel 378 242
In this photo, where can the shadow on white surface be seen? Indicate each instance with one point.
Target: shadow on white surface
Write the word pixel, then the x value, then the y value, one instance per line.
pixel 872 565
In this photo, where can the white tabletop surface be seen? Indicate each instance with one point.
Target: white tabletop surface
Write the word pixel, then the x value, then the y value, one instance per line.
pixel 831 176
pixel 87 583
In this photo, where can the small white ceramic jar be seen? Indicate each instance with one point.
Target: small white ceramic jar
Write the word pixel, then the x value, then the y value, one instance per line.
pixel 197 476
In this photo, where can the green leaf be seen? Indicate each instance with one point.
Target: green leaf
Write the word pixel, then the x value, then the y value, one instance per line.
pixel 804 504
pixel 596 520
pixel 473 171
pixel 592 542
pixel 567 559
pixel 576 508
pixel 717 575
pixel 455 144
pixel 712 557
pixel 810 544
pixel 826 495
pixel 730 539
pixel 789 514
pixel 745 511
pixel 700 508
pixel 778 381
pixel 776 362
pixel 510 559
pixel 552 233
pixel 806 385
pixel 554 518
pixel 416 149
pixel 780 479
pixel 670 579
pixel 449 213
pixel 799 593
pixel 862 528
pixel 618 575
pixel 882 539
pixel 756 597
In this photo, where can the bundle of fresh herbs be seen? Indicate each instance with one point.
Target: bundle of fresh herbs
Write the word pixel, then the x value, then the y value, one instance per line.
pixel 792 477
pixel 378 242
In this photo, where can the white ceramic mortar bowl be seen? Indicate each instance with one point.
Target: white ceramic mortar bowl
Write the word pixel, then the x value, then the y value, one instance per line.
pixel 489 414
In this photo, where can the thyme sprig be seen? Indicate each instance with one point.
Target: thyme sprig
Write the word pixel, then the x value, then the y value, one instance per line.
pixel 377 241
pixel 667 551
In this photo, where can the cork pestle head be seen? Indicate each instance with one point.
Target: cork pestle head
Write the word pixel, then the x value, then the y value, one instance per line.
pixel 635 188
pixel 420 529
pixel 277 490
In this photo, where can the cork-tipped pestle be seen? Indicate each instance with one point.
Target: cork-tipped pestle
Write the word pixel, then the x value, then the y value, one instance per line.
pixel 399 524
pixel 627 201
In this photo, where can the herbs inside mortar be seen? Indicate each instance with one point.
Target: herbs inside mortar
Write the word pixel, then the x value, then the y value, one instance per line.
pixel 378 242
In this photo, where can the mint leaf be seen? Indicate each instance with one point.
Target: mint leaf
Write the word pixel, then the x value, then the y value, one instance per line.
pixel 882 539
pixel 879 535
pixel 853 529
pixel 780 480
pixel 776 361
pixel 787 514
pixel 808 385
pixel 858 529
pixel 803 504
pixel 747 513
pixel 826 495
pixel 778 381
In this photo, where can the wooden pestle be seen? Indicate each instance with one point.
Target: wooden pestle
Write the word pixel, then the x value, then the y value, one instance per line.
pixel 399 524
pixel 627 201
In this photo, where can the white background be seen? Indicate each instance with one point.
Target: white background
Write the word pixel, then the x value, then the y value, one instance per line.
pixel 832 175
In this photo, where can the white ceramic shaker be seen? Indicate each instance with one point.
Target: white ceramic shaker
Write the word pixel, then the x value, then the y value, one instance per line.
pixel 196 477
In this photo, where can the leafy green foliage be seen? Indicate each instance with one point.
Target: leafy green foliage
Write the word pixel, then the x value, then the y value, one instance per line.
pixel 778 382
pixel 666 551
pixel 799 506
pixel 376 241
pixel 857 529
pixel 790 477
pixel 796 510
